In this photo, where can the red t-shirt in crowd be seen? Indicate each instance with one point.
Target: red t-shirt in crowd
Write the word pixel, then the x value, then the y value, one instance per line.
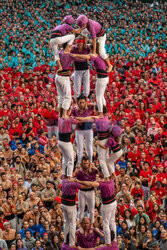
pixel 139 191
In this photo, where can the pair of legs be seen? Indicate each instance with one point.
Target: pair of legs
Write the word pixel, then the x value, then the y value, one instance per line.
pixel 54 42
pixel 79 77
pixel 110 163
pixel 64 93
pixel 101 84
pixel 88 136
pixel 66 149
pixel 103 154
pixel 69 213
pixel 102 52
pixel 108 215
pixel 86 197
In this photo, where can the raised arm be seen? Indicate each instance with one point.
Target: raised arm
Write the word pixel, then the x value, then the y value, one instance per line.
pixel 76 31
pixel 102 146
pixel 94 184
pixel 85 119
pixel 81 56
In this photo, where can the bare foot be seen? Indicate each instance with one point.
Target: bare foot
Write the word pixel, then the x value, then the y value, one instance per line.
pixel 65 116
pixel 101 115
pixel 109 68
pixel 107 179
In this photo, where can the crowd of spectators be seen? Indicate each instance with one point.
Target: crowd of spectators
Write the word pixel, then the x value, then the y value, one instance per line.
pixel 30 159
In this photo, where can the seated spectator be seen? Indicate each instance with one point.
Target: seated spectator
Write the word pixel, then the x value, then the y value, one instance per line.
pixel 32 200
pixel 24 229
pixel 149 241
pixel 19 245
pixel 124 193
pixel 48 194
pixel 8 233
pixel 28 241
pixel 137 191
pixel 127 242
pixel 37 245
pixel 141 213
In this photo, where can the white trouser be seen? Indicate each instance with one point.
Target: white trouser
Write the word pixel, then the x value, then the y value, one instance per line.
pixel 64 91
pixel 103 155
pixel 111 160
pixel 108 215
pixel 102 52
pixel 66 149
pixel 79 77
pixel 88 136
pixel 101 84
pixel 86 198
pixel 54 42
pixel 69 213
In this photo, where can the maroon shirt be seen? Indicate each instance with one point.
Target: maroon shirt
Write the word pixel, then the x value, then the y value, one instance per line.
pixel 87 241
pixel 81 176
pixel 64 29
pixel 107 188
pixel 84 125
pixel 69 187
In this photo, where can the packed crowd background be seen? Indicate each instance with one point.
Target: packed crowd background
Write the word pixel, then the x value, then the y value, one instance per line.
pixel 30 159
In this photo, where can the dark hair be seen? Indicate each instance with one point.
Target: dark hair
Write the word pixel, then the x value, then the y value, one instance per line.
pixel 127 236
pixel 145 223
pixel 49 182
pixel 85 158
pixel 146 162
pixel 39 171
pixel 134 229
pixel 81 97
pixel 131 216
pixel 27 231
pixel 137 182
pixel 13 105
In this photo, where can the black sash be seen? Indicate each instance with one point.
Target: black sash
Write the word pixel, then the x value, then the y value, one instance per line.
pixel 68 200
pixel 86 190
pixel 64 72
pixel 116 148
pixel 108 200
pixel 101 33
pixel 101 73
pixel 85 126
pixel 56 33
pixel 81 65
pixel 103 135
pixel 65 137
